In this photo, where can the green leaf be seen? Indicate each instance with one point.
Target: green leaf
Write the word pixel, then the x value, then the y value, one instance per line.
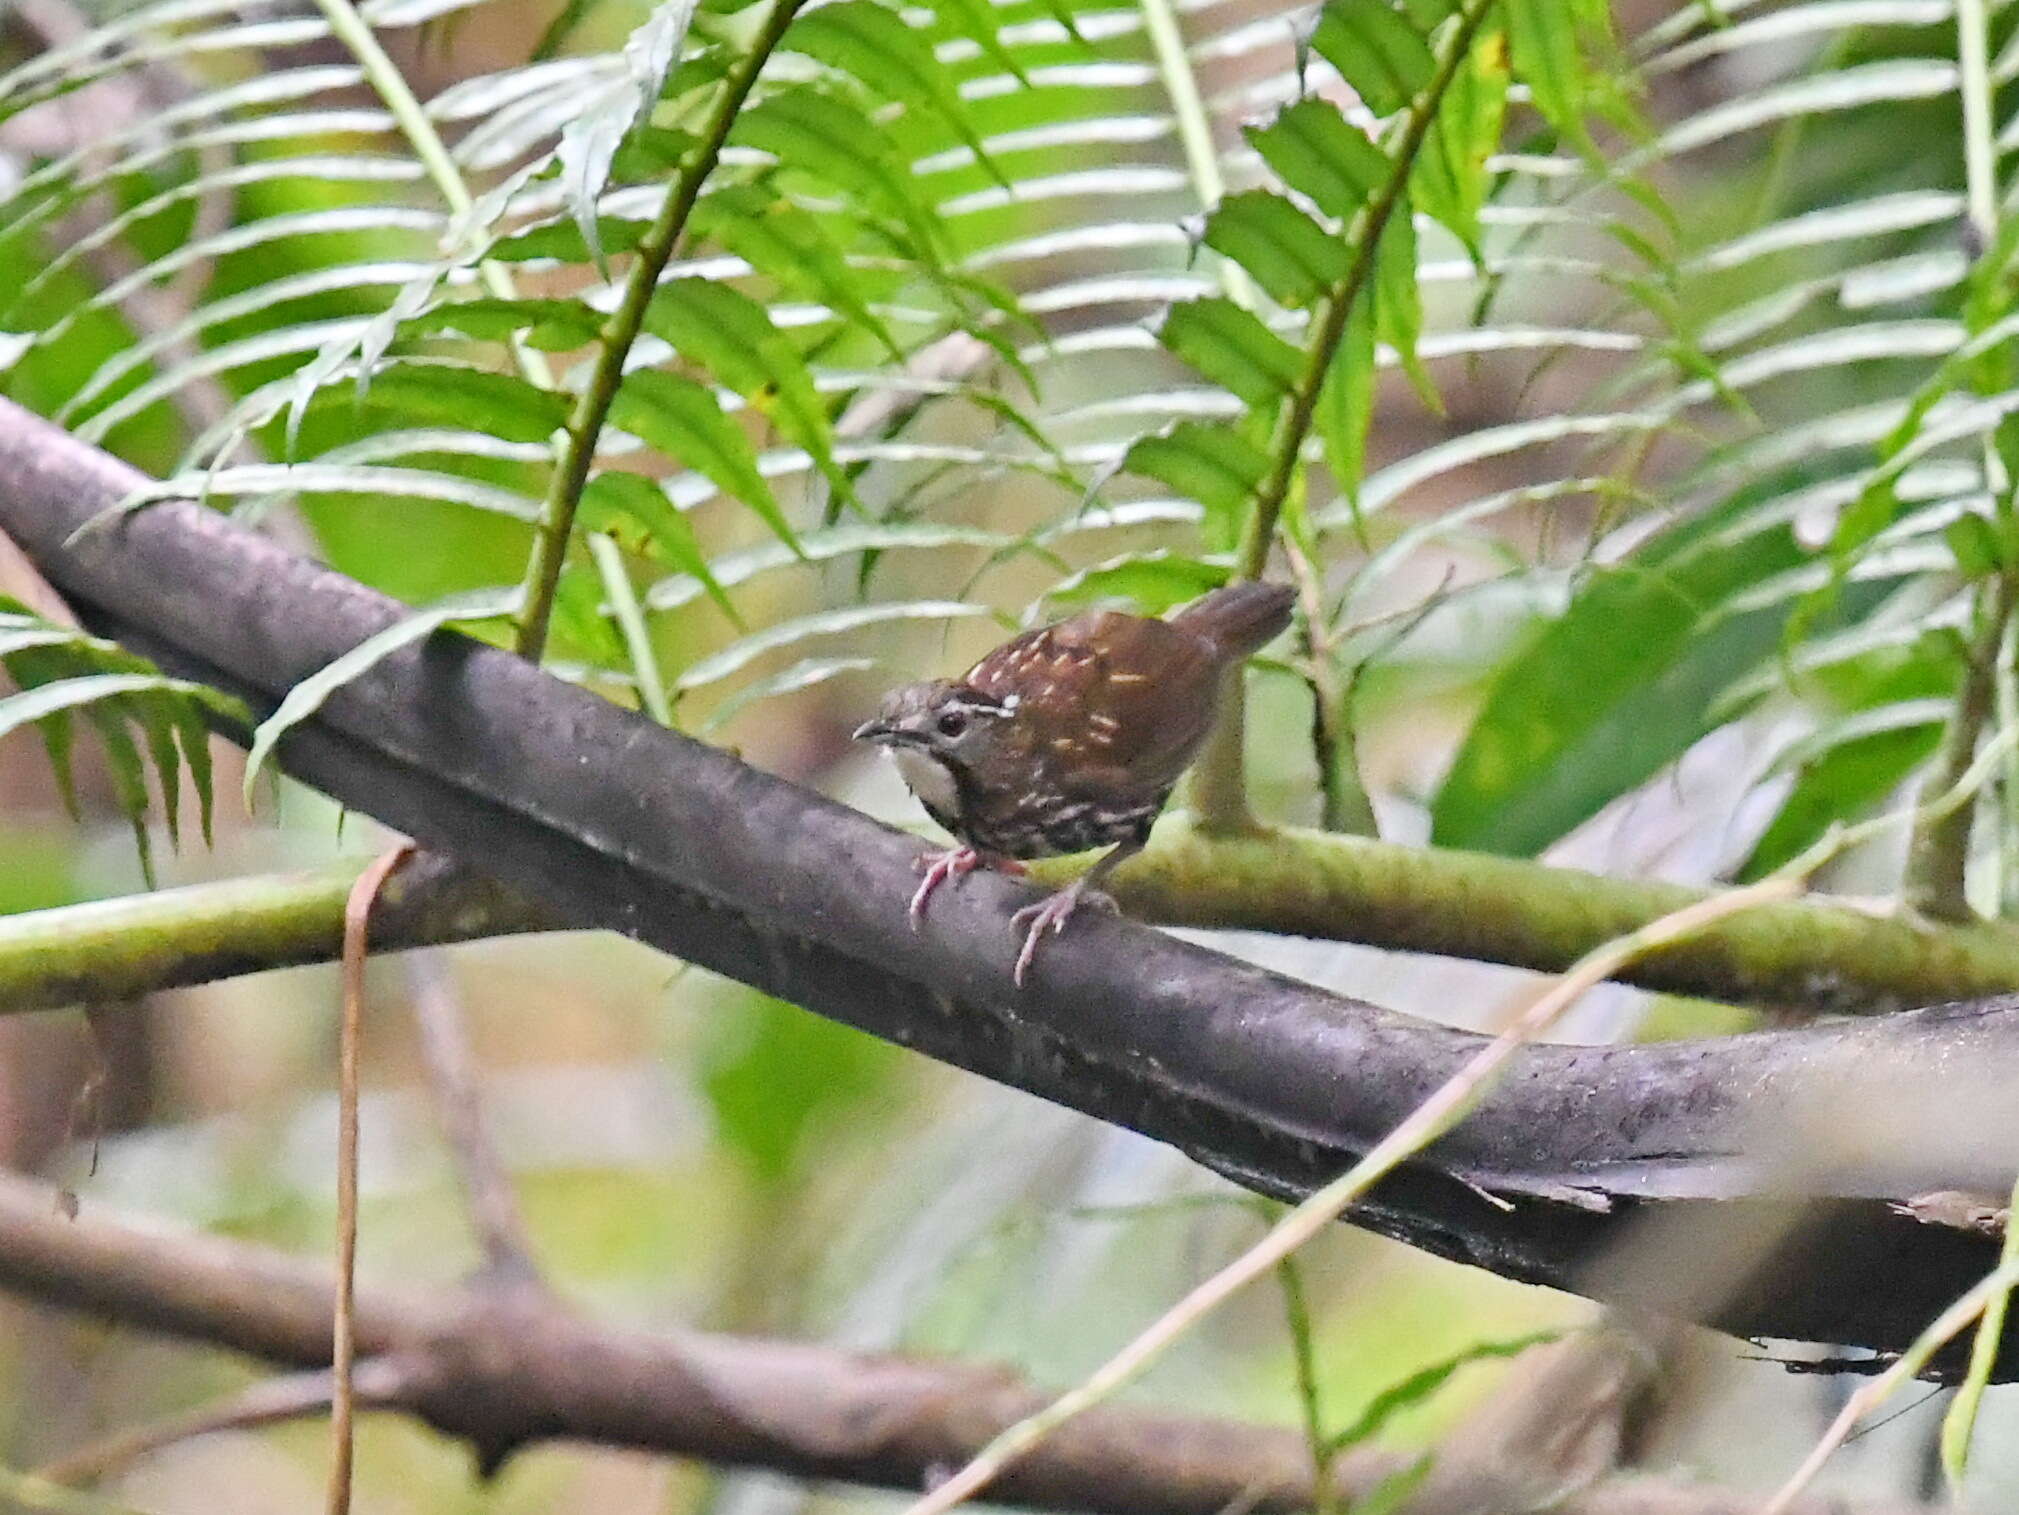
pixel 804 674
pixel 613 498
pixel 502 404
pixel 1424 1382
pixel 683 420
pixel 553 325
pixel 1543 47
pixel 194 735
pixel 814 132
pixel 1449 181
pixel 871 43
pixel 590 139
pixel 1153 581
pixel 1212 462
pixel 153 714
pixel 1291 256
pixel 651 153
pixel 779 238
pixel 307 697
pixel 66 694
pixel 564 242
pixel 1617 686
pixel 1376 50
pixel 981 24
pixel 1841 784
pixel 778 1080
pixel 1319 153
pixel 789 633
pixel 1398 304
pixel 1230 345
pixel 1976 544
pixel 1346 403
pixel 733 337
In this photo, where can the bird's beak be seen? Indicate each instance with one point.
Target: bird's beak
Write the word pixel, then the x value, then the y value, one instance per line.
pixel 888 734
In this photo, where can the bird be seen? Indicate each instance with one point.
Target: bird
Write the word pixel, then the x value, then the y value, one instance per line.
pixel 1068 737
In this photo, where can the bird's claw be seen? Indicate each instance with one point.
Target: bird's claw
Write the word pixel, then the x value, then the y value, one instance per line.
pixel 1051 914
pixel 954 863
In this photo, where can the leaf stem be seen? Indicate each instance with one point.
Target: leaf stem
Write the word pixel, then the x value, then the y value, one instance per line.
pixel 1363 234
pixel 1980 160
pixel 620 330
pixel 1939 854
pixel 1195 128
pixel 630 618
pixel 1218 791
pixel 1304 1356
pixel 1344 803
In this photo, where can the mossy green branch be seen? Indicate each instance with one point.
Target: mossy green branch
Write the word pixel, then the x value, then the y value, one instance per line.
pixel 620 331
pixel 1217 787
pixel 1808 954
pixel 122 948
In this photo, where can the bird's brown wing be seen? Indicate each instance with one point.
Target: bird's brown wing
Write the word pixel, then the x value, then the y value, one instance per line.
pixel 1113 703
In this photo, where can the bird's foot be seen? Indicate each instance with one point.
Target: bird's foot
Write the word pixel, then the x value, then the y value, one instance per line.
pixel 954 863
pixel 1051 914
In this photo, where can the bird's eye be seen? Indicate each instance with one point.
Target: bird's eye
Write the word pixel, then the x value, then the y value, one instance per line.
pixel 952 723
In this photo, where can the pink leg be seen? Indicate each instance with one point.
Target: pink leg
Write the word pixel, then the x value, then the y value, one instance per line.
pixel 954 863
pixel 1052 912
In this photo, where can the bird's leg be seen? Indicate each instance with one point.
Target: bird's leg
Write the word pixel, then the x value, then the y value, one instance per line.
pixel 954 863
pixel 1052 912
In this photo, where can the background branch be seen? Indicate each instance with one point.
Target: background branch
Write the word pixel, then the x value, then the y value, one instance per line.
pixel 452 1084
pixel 504 1370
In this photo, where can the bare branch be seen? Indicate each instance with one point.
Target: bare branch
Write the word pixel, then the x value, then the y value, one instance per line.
pixel 378 1382
pixel 452 1080
pixel 504 1370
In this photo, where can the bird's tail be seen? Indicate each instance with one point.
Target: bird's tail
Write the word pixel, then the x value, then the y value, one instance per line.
pixel 1239 619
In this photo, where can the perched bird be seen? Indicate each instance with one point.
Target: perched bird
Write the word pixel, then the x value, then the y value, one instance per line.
pixel 1068 737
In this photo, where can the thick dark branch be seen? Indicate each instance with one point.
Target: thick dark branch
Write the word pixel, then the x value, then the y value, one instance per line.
pixel 504 1368
pixel 611 821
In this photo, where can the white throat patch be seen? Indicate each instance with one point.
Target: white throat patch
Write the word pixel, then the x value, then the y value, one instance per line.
pixel 927 777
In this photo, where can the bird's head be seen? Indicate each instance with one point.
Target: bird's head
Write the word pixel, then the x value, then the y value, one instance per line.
pixel 953 722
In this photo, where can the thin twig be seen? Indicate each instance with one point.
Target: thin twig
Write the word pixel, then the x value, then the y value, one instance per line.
pixel 25 1491
pixel 1345 806
pixel 620 330
pixel 343 1359
pixel 630 618
pixel 377 1380
pixel 1939 854
pixel 1304 1357
pixel 452 1079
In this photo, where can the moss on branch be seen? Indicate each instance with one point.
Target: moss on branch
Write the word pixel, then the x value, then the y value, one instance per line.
pixel 1812 954
pixel 122 948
